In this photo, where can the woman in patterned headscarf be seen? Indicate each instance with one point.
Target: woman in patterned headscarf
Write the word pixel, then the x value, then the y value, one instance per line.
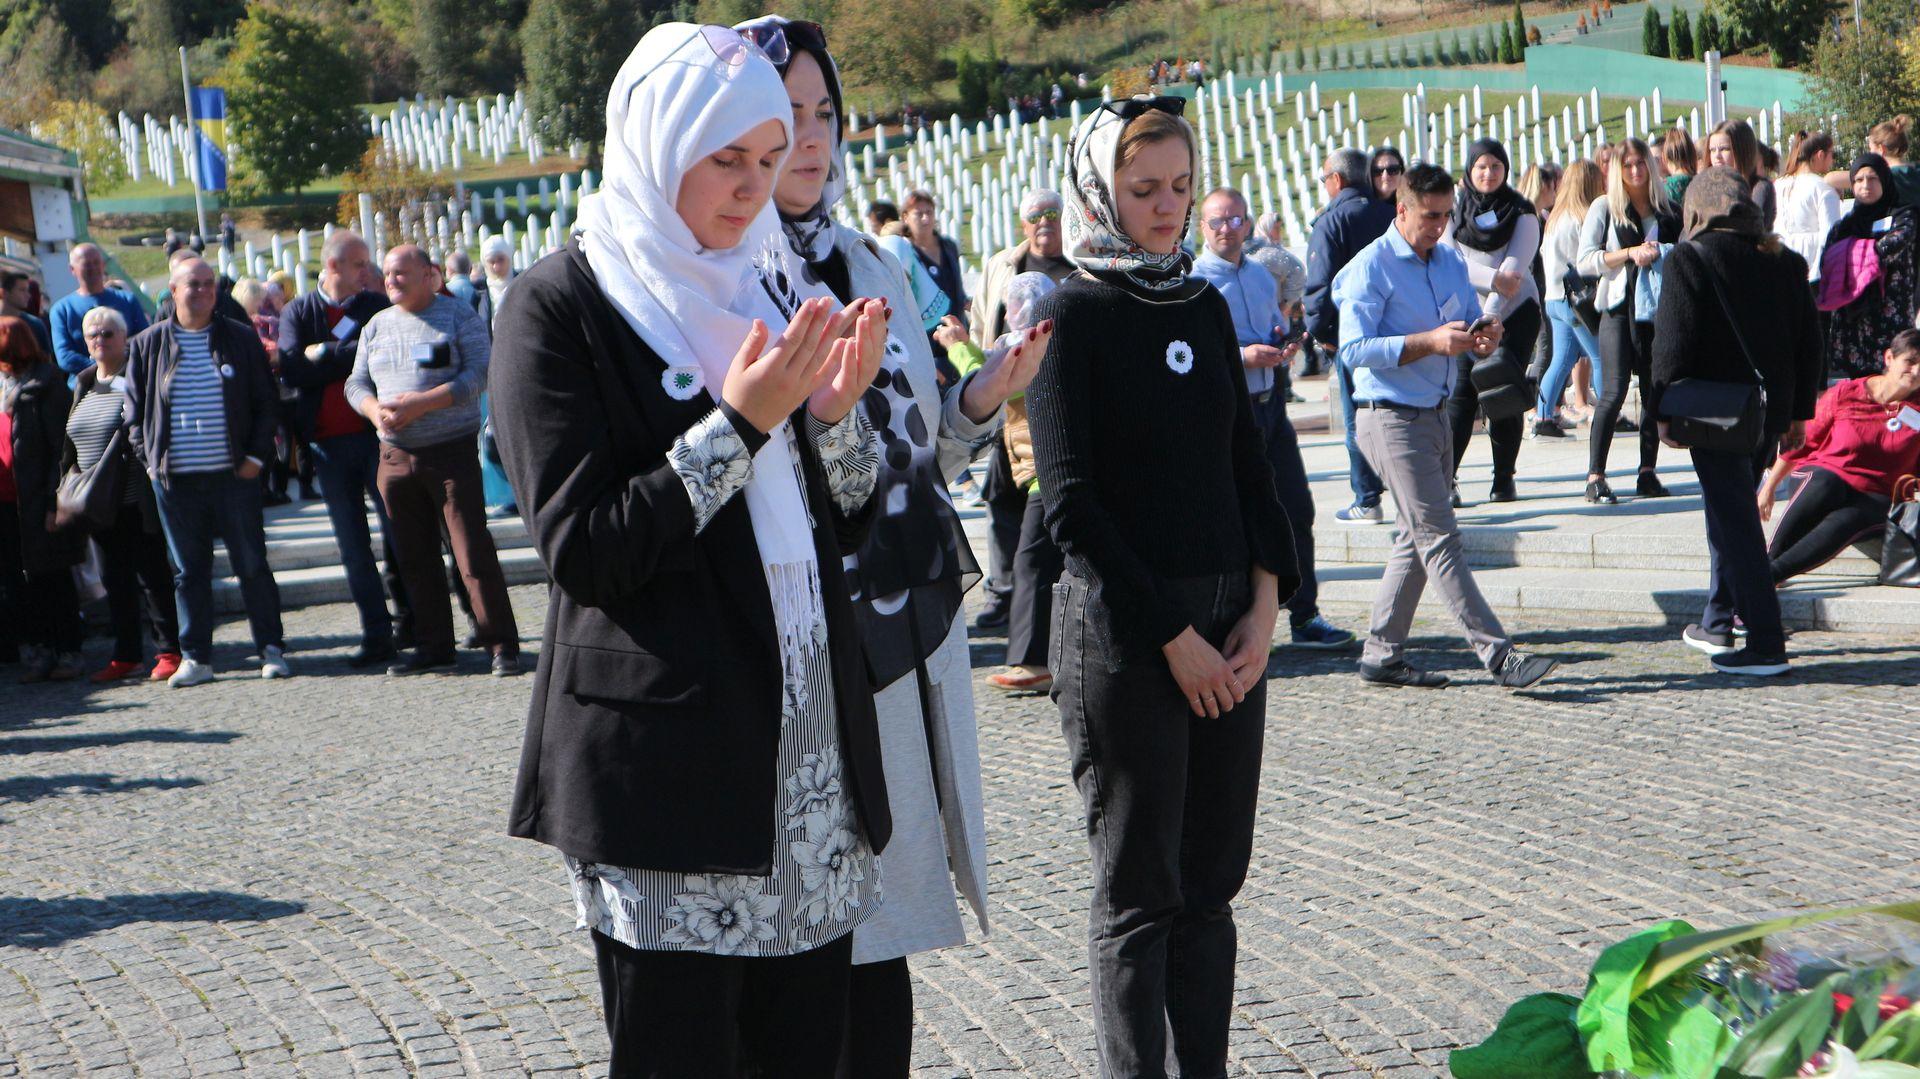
pixel 1157 489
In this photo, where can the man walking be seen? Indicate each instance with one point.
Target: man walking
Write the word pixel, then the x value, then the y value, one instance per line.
pixel 418 376
pixel 1262 331
pixel 1352 220
pixel 202 407
pixel 89 267
pixel 319 341
pixel 1405 301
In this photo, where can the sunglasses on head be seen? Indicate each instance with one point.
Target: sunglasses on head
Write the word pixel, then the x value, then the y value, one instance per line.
pixel 1127 108
pixel 736 47
pixel 1038 216
pixel 778 40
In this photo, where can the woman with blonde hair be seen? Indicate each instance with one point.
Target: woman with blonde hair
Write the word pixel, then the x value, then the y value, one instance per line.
pixel 1623 238
pixel 1572 337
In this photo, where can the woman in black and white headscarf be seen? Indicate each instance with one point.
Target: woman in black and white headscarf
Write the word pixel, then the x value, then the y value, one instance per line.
pixel 1178 556
pixel 909 578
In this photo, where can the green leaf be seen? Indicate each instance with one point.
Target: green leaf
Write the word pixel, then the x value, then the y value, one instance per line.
pixel 1683 1042
pixel 1861 1020
pixel 1678 954
pixel 1779 1044
pixel 1604 1018
pixel 1886 1069
pixel 1536 1039
pixel 1897 1039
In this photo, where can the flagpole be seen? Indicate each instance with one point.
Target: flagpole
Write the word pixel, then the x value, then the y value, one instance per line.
pixel 193 174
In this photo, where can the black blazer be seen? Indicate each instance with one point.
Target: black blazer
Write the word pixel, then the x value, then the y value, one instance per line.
pixel 654 733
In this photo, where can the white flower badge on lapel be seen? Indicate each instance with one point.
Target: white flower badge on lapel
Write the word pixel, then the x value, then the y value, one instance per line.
pixel 1180 357
pixel 683 381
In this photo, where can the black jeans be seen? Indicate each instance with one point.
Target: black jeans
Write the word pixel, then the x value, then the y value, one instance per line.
pixel 1170 802
pixel 1741 581
pixel 139 582
pixel 1516 348
pixel 1006 505
pixel 1290 485
pixel 37 607
pixel 1825 516
pixel 1037 563
pixel 685 1015
pixel 879 1038
pixel 1626 348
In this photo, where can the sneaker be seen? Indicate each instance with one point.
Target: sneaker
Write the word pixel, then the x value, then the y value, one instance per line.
pixel 1713 644
pixel 1321 634
pixel 115 671
pixel 1401 674
pixel 1739 627
pixel 164 665
pixel 372 654
pixel 1520 669
pixel 421 662
pixel 1649 486
pixel 1748 662
pixel 273 663
pixel 1549 429
pixel 1023 680
pixel 994 614
pixel 1359 514
pixel 67 666
pixel 192 672
pixel 507 665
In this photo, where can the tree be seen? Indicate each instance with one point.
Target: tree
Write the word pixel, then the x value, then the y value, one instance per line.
pixel 1864 78
pixel 1788 28
pixel 1519 33
pixel 1503 45
pixel 1708 39
pixel 1299 57
pixel 82 128
pixel 1679 34
pixel 1653 35
pixel 573 49
pixel 291 90
pixel 42 66
pixel 1482 48
pixel 1459 54
pixel 868 39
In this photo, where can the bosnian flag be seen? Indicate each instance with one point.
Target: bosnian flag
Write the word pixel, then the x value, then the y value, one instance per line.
pixel 210 115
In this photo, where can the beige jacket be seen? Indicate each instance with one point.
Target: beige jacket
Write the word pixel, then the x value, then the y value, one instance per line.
pixel 989 306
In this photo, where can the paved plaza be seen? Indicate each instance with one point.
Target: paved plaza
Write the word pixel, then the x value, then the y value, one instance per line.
pixel 311 876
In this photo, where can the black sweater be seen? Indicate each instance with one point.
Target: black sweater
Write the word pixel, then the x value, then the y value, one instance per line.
pixel 1768 293
pixel 1150 474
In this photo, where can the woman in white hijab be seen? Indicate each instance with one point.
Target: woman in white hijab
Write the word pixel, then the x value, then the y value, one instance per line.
pixel 701 746
pixel 910 576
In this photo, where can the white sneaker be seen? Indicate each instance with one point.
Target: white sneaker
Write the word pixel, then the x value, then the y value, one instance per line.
pixel 273 664
pixel 192 672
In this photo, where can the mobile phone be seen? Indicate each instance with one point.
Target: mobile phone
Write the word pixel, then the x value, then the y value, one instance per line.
pixel 1480 323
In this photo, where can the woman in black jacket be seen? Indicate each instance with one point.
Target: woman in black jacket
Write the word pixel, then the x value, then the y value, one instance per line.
pixel 134 565
pixel 1735 307
pixel 1158 491
pixel 701 746
pixel 36 563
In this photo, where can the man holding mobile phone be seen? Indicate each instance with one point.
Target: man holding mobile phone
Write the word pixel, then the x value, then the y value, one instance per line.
pixel 418 375
pixel 1405 301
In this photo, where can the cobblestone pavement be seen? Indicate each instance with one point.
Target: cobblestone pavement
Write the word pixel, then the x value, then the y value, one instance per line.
pixel 310 876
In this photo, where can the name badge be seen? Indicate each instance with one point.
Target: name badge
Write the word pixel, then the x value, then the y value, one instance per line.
pixel 1449 308
pixel 343 328
pixel 1487 220
pixel 1883 224
pixel 1909 418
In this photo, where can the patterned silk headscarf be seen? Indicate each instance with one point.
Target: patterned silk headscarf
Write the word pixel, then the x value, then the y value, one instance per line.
pixel 813 234
pixel 1095 241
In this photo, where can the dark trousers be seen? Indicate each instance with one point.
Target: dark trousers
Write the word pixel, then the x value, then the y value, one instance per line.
pixel 422 488
pixel 1006 505
pixel 1626 348
pixel 1365 482
pixel 1741 582
pixel 139 583
pixel 194 508
pixel 1824 518
pixel 684 1015
pixel 1516 348
pixel 348 467
pixel 290 458
pixel 1170 802
pixel 37 607
pixel 879 1028
pixel 1290 484
pixel 1037 563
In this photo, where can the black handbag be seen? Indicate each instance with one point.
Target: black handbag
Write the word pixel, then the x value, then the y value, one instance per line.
pixel 1900 549
pixel 1581 292
pixel 1709 414
pixel 88 499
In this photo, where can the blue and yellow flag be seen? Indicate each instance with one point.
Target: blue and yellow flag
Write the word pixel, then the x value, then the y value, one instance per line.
pixel 210 115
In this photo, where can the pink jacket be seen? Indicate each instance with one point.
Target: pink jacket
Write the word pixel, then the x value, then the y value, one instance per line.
pixel 1846 269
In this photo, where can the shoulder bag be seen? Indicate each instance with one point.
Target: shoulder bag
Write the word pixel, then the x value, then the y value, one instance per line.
pixel 1900 551
pixel 1709 414
pixel 88 499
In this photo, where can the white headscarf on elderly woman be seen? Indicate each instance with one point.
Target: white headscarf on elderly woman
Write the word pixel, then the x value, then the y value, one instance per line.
pixel 685 93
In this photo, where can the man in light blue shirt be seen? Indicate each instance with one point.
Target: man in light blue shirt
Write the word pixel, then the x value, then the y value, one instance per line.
pixel 1260 328
pixel 89 267
pixel 1405 304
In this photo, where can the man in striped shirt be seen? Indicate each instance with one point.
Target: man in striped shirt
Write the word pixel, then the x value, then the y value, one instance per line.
pixel 202 406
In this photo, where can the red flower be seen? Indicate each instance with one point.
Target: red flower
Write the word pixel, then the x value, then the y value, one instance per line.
pixel 1891 1006
pixel 1842 1002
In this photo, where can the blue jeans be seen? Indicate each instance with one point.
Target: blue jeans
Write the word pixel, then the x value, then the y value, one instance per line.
pixel 194 508
pixel 1365 482
pixel 346 466
pixel 1571 340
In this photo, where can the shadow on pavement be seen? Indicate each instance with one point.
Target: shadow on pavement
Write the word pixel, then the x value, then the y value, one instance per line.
pixel 22 789
pixel 61 743
pixel 45 923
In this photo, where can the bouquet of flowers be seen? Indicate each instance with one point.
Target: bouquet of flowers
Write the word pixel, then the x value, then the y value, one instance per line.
pixel 1672 1003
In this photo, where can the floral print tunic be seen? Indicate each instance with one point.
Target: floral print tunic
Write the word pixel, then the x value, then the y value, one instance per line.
pixel 825 879
pixel 1859 333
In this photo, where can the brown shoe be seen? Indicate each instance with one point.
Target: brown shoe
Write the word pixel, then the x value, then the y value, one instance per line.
pixel 1023 680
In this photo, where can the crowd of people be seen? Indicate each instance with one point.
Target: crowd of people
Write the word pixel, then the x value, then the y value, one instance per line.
pixel 733 425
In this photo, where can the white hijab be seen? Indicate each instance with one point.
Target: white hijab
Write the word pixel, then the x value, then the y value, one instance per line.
pixel 674 102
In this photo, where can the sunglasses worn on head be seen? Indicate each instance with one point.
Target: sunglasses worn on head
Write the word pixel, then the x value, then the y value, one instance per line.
pixel 733 46
pixel 1127 108
pixel 1043 215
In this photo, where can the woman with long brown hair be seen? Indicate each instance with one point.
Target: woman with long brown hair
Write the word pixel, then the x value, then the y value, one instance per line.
pixel 1733 145
pixel 37 597
pixel 1808 206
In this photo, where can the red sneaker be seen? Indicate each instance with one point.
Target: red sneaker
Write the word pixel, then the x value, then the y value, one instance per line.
pixel 115 671
pixel 1023 680
pixel 164 665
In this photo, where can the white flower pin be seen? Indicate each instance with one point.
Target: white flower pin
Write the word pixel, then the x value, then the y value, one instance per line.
pixel 1180 357
pixel 226 370
pixel 683 381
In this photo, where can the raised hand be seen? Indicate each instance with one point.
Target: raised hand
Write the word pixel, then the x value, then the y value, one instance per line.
pixel 765 384
pixel 1008 371
pixel 854 360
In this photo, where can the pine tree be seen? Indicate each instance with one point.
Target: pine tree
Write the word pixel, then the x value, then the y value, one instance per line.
pixel 1653 34
pixel 1459 50
pixel 1519 33
pixel 1299 57
pixel 1482 47
pixel 1708 40
pixel 1503 45
pixel 1680 34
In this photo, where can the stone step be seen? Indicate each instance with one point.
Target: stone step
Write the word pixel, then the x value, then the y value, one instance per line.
pixel 309 545
pixel 315 585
